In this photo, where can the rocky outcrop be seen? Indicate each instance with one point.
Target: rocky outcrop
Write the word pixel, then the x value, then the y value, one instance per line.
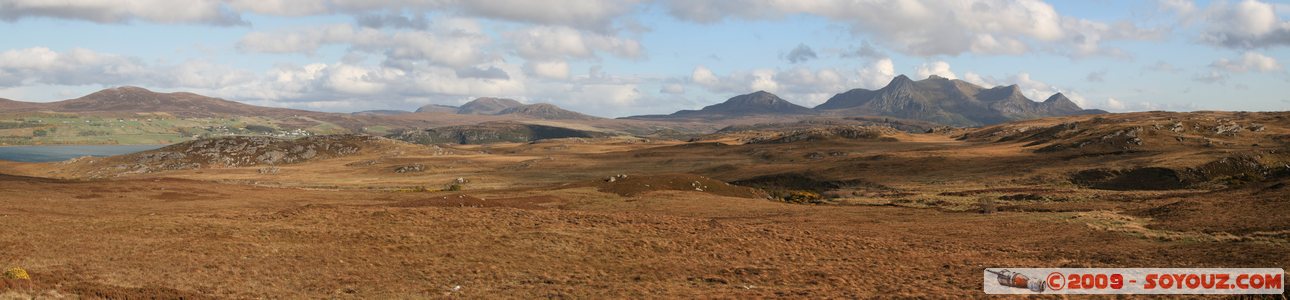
pixel 239 151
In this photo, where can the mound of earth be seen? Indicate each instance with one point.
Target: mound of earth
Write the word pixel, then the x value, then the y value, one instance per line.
pixel 492 132
pixel 235 151
pixel 634 185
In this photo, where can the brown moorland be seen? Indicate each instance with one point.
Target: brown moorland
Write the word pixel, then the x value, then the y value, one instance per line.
pixel 895 213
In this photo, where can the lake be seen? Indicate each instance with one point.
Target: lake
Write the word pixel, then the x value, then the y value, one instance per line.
pixel 65 152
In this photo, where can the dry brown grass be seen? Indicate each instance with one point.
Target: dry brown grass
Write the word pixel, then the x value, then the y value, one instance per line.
pixel 539 220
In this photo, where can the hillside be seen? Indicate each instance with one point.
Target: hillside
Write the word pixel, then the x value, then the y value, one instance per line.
pixel 228 152
pixel 1165 150
pixel 380 112
pixel 438 108
pixel 487 106
pixel 545 111
pixel 948 101
pixel 139 100
pixel 6 104
pixel 760 103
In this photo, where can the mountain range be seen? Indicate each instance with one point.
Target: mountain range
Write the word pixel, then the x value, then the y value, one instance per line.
pixel 949 101
pixel 935 99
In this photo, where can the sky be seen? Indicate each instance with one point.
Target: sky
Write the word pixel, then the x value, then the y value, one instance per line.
pixel 615 58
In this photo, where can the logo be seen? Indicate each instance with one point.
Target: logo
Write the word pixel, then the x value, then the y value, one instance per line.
pixel 1230 281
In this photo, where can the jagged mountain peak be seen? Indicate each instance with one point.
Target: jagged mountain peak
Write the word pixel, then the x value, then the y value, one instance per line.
pixel 900 80
pixel 1058 97
pixel 947 101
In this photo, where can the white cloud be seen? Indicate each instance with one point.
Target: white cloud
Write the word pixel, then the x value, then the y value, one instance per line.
pixel 159 11
pixel 356 80
pixel 989 44
pixel 1113 104
pixel 1181 7
pixel 977 79
pixel 877 74
pixel 549 69
pixel 596 15
pixel 1241 24
pixel 935 27
pixel 281 7
pixel 39 65
pixel 548 42
pixel 1033 89
pixel 938 68
pixel 1249 62
pixel 672 88
pixel 456 42
pixel 763 80
pixel 703 76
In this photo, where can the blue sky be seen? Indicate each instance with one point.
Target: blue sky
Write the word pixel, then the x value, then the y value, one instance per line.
pixel 619 58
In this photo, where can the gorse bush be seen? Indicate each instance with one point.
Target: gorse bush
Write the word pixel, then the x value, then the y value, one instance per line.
pixel 16 273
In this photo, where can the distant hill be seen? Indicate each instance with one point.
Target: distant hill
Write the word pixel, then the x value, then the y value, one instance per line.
pixel 6 104
pixel 129 99
pixel 947 101
pixel 438 108
pixel 756 103
pixel 487 106
pixel 381 112
pixel 545 111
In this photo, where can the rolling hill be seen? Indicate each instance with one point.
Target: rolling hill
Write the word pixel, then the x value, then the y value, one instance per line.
pixel 545 111
pixel 487 106
pixel 760 103
pixel 129 99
